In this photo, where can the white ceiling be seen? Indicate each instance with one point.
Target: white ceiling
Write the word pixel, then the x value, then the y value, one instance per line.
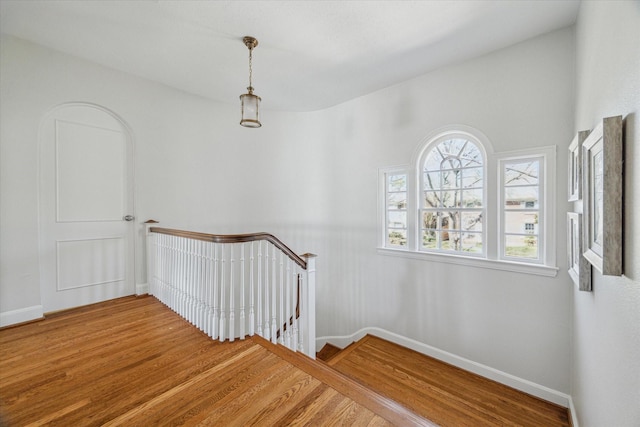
pixel 311 54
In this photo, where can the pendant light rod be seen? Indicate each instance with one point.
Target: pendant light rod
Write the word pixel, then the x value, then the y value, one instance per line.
pixel 251 44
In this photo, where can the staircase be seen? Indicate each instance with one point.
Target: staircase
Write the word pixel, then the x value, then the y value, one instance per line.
pixel 444 394
pixel 132 361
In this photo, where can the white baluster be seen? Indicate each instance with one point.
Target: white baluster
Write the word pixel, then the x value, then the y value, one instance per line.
pixel 206 288
pixel 308 309
pixel 160 265
pixel 194 282
pixel 157 266
pixel 172 273
pixel 201 286
pixel 154 276
pixel 175 268
pixel 232 314
pixel 251 295
pixel 242 295
pixel 166 260
pixel 166 272
pixel 259 324
pixel 186 280
pixel 274 298
pixel 267 328
pixel 282 324
pixel 181 275
pixel 151 257
pixel 216 284
pixel 175 276
pixel 289 316
pixel 222 289
pixel 210 289
pixel 295 338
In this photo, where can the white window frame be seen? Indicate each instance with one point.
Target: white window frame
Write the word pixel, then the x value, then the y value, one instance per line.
pixel 433 143
pixel 547 197
pixel 494 225
pixel 384 220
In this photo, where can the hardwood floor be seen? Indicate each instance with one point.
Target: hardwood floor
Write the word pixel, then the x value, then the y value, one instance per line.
pixel 132 362
pixel 440 392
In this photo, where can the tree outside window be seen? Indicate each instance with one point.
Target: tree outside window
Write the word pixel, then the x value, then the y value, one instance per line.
pixel 452 208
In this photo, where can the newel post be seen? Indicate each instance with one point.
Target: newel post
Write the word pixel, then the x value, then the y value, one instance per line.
pixel 150 255
pixel 308 302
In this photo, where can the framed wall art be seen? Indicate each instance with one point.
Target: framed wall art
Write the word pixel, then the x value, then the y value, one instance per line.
pixel 575 166
pixel 602 196
pixel 579 267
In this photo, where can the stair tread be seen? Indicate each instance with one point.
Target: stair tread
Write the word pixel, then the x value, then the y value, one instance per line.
pixel 445 394
pixel 327 352
pixel 386 407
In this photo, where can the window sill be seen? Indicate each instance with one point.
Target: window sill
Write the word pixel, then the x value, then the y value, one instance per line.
pixel 517 267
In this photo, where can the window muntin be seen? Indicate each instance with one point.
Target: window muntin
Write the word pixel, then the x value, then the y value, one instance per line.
pixel 452 197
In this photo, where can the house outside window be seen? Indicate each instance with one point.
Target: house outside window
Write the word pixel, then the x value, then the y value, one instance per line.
pixel 523 193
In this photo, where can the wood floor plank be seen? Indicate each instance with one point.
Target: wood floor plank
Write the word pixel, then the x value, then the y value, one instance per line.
pixel 111 382
pixel 134 362
pixel 255 403
pixel 395 382
pixel 441 392
pixel 169 396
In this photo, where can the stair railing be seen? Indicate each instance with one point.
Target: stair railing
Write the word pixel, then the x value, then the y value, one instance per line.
pixel 231 286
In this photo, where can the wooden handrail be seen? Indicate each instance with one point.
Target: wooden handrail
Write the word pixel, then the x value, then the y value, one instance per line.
pixel 233 238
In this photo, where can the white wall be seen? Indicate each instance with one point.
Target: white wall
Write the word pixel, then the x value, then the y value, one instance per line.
pixel 196 168
pixel 606 338
pixel 519 97
pixel 312 179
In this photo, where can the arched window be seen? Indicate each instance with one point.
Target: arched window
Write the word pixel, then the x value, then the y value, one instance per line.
pixel 452 195
pixel 462 202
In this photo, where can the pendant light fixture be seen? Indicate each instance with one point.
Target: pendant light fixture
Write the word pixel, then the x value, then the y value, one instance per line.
pixel 250 103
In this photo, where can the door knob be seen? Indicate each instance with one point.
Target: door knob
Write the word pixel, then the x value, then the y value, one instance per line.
pixel 129 218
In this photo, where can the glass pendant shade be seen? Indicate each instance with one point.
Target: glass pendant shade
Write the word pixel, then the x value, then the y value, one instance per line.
pixel 250 108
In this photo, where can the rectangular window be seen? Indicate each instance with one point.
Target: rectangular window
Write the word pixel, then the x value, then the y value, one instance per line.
pixel 522 196
pixel 395 209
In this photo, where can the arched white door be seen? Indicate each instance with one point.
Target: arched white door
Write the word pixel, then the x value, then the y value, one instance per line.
pixel 85 207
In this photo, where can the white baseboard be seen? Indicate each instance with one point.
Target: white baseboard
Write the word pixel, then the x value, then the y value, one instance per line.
pixel 573 414
pixel 142 288
pixel 521 384
pixel 21 315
